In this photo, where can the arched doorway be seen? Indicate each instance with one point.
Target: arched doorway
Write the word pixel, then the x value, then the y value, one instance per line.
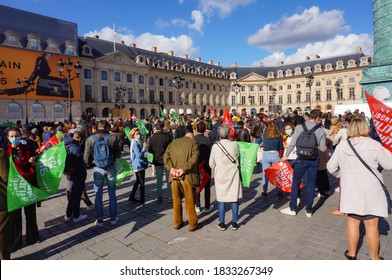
pixel 106 112
pixel 143 114
pixel 133 111
pixel 153 113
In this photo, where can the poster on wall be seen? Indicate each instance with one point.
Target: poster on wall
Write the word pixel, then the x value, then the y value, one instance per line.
pixel 38 67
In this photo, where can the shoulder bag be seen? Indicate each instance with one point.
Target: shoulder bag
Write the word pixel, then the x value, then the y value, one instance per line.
pixel 382 184
pixel 226 152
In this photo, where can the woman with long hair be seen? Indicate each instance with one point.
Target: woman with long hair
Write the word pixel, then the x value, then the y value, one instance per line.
pixel 272 144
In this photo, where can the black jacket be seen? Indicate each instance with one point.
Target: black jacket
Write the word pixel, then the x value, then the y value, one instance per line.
pixel 157 145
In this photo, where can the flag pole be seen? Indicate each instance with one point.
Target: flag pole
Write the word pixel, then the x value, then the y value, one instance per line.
pixel 114 37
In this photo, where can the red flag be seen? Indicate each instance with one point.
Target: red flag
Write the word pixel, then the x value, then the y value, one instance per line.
pixel 204 177
pixel 280 175
pixel 213 112
pixel 227 120
pixel 53 141
pixel 382 119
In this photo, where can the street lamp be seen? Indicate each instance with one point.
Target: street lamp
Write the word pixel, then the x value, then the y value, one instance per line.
pixel 299 98
pixel 60 69
pixel 235 86
pixel 120 94
pixel 27 87
pixel 272 100
pixel 337 87
pixel 309 83
pixel 178 83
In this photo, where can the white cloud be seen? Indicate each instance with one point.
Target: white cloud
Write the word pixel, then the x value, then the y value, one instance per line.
pixel 180 45
pixel 222 7
pixel 197 16
pixel 299 29
pixel 339 45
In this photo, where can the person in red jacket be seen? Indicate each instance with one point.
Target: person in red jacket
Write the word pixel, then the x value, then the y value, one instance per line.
pixel 24 157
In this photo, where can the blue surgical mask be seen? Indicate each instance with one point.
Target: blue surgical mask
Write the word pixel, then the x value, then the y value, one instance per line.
pixel 289 131
pixel 138 137
pixel 74 130
pixel 15 140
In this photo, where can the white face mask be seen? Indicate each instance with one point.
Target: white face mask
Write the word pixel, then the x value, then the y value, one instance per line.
pixel 289 131
pixel 138 137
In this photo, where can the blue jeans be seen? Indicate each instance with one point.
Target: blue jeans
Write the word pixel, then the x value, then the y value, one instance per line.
pixel 300 167
pixel 99 179
pixel 269 158
pixel 159 173
pixel 234 211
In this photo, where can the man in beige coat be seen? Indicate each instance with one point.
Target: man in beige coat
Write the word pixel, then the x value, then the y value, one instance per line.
pixel 180 159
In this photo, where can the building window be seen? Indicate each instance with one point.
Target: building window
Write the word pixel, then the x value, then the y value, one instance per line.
pixel 318 95
pixel 289 86
pixel 33 44
pixel 328 82
pixel 298 98
pixel 88 94
pixel 280 99
pixel 307 96
pixel 170 97
pixel 15 111
pixel 351 80
pixel 201 86
pixel 38 111
pixel 260 88
pixel 252 88
pixel 58 111
pixel 261 99
pixel 130 95
pixel 104 75
pixel 298 86
pixel 117 76
pixel 69 49
pixel 87 73
pixel 289 98
pixel 161 96
pixel 352 93
pixel 105 94
pixel 141 79
pixel 243 100
pixel 194 86
pixel 186 84
pixel 141 95
pixel 152 96
pixel 208 86
pixel 161 83
pixel 152 81
pixel 129 78
pixel 329 95
pixel 233 102
pixel 340 94
pixel 318 83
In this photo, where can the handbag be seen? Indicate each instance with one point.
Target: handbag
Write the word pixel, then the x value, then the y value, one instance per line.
pixel 389 202
pixel 226 152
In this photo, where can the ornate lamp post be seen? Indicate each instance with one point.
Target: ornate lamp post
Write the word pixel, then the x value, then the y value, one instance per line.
pixel 236 86
pixel 337 87
pixel 299 98
pixel 60 68
pixel 309 83
pixel 120 94
pixel 25 89
pixel 178 83
pixel 272 100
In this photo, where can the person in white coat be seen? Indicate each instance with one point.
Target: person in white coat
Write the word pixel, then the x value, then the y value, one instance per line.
pixel 225 164
pixel 362 196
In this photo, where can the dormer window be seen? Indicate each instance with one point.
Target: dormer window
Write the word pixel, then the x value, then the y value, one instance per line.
pixel 69 48
pixel 86 50
pixel 52 45
pixel 12 39
pixel 33 42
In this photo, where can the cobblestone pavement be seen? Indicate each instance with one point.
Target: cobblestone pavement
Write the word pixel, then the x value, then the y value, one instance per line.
pixel 145 231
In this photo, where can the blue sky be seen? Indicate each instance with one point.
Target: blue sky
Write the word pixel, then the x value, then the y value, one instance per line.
pixel 246 32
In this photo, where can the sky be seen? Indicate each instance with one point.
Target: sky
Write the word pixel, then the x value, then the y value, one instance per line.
pixel 245 32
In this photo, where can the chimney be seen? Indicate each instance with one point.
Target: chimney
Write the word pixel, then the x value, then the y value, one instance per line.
pixel 133 45
pixel 307 58
pixel 122 42
pixel 359 50
pixel 210 61
pixel 96 36
pixel 282 62
pixel 171 53
pixel 316 56
pixel 261 64
pixel 217 63
pixel 234 64
pixel 198 59
pixel 185 56
pixel 154 49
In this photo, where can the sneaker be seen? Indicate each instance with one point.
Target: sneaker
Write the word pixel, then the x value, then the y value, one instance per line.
pixel 288 211
pixel 264 193
pixel 90 207
pixel 337 189
pixel 308 215
pixel 67 219
pixel 197 208
pixel 207 210
pixel 222 226
pixel 99 223
pixel 318 195
pixel 114 222
pixel 80 218
pixel 298 201
pixel 234 226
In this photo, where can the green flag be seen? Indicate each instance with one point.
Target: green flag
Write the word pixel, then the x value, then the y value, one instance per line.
pixel 20 192
pixel 174 116
pixel 150 158
pixel 127 131
pixel 50 167
pixel 123 169
pixel 248 153
pixel 142 128
pixel 163 115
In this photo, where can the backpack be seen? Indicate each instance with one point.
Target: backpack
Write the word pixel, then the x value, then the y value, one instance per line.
pixel 307 146
pixel 103 156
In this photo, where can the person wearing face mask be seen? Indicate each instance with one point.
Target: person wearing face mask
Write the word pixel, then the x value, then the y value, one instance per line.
pixel 139 164
pixel 287 136
pixel 24 157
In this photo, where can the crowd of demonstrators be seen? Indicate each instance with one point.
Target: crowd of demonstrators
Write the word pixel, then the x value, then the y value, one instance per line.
pixel 197 140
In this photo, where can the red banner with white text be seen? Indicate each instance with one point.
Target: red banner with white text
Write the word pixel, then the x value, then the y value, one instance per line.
pixel 382 119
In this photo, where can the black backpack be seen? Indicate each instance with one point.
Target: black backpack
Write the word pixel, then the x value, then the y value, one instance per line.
pixel 307 146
